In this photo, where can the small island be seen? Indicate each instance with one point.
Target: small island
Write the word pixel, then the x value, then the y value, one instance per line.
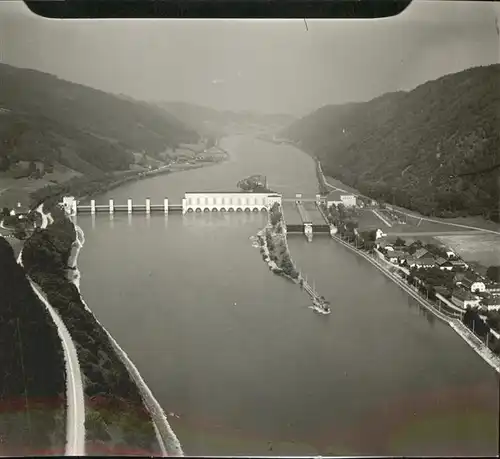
pixel 275 252
pixel 255 184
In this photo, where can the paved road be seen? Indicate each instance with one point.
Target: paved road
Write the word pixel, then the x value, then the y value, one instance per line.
pixel 75 410
pixel 437 233
pixel 425 218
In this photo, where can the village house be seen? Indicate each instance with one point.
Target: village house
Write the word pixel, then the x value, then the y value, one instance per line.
pixel 338 197
pixel 395 256
pixel 450 253
pixel 479 269
pixel 465 299
pixel 424 262
pixel 459 264
pixel 472 283
pixel 422 253
pixel 492 287
pixel 489 301
pixel 443 264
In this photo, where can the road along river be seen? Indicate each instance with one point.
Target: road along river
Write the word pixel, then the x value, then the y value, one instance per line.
pixel 235 356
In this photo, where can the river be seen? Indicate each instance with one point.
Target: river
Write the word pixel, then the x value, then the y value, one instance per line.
pixel 236 354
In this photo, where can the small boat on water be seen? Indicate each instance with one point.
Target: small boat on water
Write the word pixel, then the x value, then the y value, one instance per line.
pixel 321 306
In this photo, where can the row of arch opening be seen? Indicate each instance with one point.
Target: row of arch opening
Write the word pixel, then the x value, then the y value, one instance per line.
pixel 229 209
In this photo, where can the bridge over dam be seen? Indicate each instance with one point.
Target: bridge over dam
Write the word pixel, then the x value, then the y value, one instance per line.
pixel 205 201
pixel 304 216
pixel 301 215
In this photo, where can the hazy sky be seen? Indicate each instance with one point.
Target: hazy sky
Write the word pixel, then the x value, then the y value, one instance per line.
pixel 266 65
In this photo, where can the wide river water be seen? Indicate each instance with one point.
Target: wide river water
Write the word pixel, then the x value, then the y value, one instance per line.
pixel 235 355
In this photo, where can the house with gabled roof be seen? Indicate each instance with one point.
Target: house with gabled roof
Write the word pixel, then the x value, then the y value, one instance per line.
pixel 443 264
pixel 420 253
pixel 395 256
pixel 492 287
pixel 465 299
pixel 472 283
pixel 337 197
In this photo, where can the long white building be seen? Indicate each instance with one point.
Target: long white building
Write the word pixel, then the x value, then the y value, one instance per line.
pixel 206 201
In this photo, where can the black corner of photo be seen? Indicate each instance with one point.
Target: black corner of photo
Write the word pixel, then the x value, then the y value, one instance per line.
pixel 165 9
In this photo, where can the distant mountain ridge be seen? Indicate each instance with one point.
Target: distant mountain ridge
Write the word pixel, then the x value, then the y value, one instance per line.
pixel 413 147
pixel 220 122
pixel 46 118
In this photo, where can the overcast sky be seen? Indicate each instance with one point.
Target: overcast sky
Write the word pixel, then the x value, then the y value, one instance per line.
pixel 264 65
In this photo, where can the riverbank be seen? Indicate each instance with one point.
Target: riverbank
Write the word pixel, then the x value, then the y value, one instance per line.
pixel 167 439
pixel 120 410
pixel 84 188
pixel 272 240
pixel 454 322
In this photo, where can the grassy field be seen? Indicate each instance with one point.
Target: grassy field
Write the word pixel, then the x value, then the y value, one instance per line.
pixel 475 221
pixel 368 220
pixel 342 186
pixel 483 248
pixel 13 190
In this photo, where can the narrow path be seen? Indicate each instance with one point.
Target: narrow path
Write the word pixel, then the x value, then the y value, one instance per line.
pixel 75 410
pixel 417 217
pixel 434 233
pixel 377 214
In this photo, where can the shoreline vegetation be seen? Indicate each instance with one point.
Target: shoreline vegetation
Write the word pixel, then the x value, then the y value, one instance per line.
pixel 86 187
pixel 117 418
pixel 275 252
pixel 477 333
pixel 33 381
pixel 274 248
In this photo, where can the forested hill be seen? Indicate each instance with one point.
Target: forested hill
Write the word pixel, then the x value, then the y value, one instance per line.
pixel 412 147
pixel 210 121
pixel 45 118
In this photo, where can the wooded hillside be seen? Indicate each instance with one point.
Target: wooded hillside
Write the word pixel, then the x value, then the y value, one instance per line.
pixel 45 118
pixel 411 148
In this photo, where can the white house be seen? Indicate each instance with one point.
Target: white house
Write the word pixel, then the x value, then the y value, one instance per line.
pixel 492 303
pixel 465 299
pixel 69 204
pixel 443 264
pixel 473 284
pixel 338 197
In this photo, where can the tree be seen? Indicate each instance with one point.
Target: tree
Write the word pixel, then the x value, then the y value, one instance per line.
pixel 493 273
pixel 400 242
pixel 4 163
pixel 32 167
pixel 341 211
pixel 5 212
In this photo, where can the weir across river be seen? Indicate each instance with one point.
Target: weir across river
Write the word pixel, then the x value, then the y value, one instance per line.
pixel 301 215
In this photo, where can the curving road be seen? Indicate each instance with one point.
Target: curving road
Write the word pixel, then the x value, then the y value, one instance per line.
pixel 459 225
pixel 75 410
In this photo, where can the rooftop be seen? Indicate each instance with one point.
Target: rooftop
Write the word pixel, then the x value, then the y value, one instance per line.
pixel 334 196
pixel 421 253
pixel 396 253
pixel 463 295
